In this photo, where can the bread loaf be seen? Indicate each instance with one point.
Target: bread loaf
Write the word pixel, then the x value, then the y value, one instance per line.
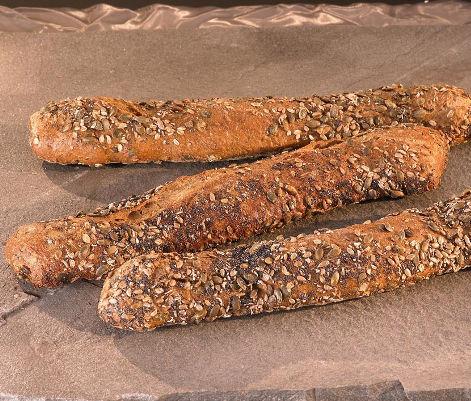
pixel 229 204
pixel 102 130
pixel 323 267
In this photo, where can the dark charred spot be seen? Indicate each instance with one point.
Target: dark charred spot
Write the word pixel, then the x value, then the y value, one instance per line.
pixel 343 188
pixel 250 255
pixel 413 185
pixel 209 288
pixel 24 272
pixel 366 151
pixel 281 166
pixel 254 186
pixel 65 277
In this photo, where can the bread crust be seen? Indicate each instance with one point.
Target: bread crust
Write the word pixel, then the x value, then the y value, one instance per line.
pixel 101 130
pixel 229 204
pixel 316 269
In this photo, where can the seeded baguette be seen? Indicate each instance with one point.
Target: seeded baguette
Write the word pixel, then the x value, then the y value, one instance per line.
pixel 218 206
pixel 102 130
pixel 316 269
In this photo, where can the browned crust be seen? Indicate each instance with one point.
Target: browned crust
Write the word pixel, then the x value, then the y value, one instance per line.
pixel 229 204
pixel 316 269
pixel 111 130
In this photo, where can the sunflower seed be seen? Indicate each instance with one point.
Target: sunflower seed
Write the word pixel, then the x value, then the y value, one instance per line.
pixel 285 291
pixel 214 312
pixel 291 190
pixel 272 129
pixel 271 197
pixel 241 283
pixel 235 303
pixel 334 252
pixel 319 253
pixel 396 193
pixel 313 123
pixel 250 277
pixel 335 278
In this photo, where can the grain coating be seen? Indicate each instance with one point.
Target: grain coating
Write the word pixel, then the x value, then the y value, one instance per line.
pixel 104 130
pixel 224 205
pixel 316 269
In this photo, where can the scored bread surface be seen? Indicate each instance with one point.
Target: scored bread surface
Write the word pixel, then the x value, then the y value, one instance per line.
pixel 323 267
pixel 102 130
pixel 228 204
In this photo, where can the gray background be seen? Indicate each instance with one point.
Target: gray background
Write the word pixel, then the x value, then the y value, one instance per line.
pixel 52 343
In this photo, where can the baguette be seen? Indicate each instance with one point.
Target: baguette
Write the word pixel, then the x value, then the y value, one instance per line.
pixel 218 206
pixel 316 269
pixel 102 130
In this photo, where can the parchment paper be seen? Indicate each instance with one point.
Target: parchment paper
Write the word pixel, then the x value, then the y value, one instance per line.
pixel 52 344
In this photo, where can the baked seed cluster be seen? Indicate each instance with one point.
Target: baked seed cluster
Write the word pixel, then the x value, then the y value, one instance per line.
pixel 123 125
pixel 242 201
pixel 323 267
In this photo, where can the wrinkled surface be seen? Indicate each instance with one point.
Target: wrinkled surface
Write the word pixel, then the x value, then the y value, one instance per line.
pixel 58 347
pixel 103 17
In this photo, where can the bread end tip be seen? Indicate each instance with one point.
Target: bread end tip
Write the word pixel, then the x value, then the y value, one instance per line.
pixel 117 305
pixel 24 253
